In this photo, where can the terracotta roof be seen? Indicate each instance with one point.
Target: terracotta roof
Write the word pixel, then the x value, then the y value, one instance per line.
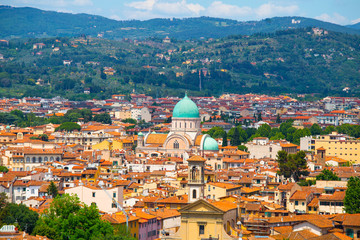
pixel 300 195
pixel 336 196
pixel 156 139
pixel 196 158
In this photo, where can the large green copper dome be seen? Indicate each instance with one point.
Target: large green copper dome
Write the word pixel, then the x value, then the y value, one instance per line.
pixel 210 144
pixel 186 108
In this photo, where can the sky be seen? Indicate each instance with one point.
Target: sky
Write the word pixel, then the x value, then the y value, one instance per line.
pixel 341 12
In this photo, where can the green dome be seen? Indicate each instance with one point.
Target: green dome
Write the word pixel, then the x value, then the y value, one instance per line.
pixel 186 108
pixel 140 134
pixel 210 144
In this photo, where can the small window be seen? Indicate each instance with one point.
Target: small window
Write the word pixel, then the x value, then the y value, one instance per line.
pixel 201 229
pixel 194 194
pixel 93 194
pixel 296 203
pixel 114 195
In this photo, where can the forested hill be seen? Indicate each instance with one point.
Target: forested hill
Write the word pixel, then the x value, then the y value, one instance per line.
pixel 308 60
pixel 32 22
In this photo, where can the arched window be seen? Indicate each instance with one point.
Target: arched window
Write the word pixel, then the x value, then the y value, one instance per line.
pixel 27 168
pixel 194 194
pixel 45 159
pixel 185 124
pixel 190 125
pixel 176 144
pixel 175 124
pixel 34 159
pixel 40 159
pixel 180 125
pixel 57 159
pixel 28 159
pixel 51 159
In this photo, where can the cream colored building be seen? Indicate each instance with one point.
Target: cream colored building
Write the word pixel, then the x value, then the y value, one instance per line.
pixel 339 145
pixel 94 195
pixel 217 190
pixel 262 147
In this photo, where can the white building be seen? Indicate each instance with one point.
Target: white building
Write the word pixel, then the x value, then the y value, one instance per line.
pixel 94 195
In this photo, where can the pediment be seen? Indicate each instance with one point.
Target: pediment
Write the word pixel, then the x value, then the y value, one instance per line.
pixel 201 206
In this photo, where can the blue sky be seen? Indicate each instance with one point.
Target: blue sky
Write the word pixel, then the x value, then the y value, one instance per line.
pixel 337 11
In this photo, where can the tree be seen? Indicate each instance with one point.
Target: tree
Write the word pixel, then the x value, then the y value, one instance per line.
pixel 67 218
pixel 52 190
pixel 4 169
pixel 44 137
pixel 278 119
pixel 264 130
pixel 103 118
pixel 235 139
pixel 315 129
pixel 129 120
pixel 243 148
pixel 351 201
pixel 327 175
pixel 292 165
pixel 68 126
pixel 224 140
pixel 21 214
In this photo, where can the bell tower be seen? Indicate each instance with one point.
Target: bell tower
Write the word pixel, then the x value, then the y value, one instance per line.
pixel 196 178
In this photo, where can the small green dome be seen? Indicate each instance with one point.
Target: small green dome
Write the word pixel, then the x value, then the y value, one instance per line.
pixel 186 108
pixel 140 134
pixel 210 144
pixel 8 127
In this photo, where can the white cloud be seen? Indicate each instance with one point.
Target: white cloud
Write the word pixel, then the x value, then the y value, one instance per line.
pixel 167 8
pixel 355 21
pixel 220 9
pixel 82 3
pixel 271 10
pixel 115 17
pixel 142 5
pixel 334 18
pixel 178 8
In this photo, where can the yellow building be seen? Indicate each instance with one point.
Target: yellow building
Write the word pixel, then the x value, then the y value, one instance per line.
pixel 108 145
pixel 216 190
pixel 340 145
pixel 201 220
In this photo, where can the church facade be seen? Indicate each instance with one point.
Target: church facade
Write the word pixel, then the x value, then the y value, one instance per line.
pixel 184 139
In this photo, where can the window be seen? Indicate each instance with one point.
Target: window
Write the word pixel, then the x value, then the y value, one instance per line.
pixel 113 205
pixel 32 191
pixel 176 144
pixel 350 232
pixel 201 229
pixel 194 194
pixel 296 203
pixel 114 195
pixel 303 203
pixel 93 194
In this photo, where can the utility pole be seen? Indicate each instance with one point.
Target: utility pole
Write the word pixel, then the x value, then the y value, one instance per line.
pixel 101 184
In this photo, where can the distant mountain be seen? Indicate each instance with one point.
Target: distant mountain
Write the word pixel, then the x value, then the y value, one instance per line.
pixel 355 26
pixel 32 22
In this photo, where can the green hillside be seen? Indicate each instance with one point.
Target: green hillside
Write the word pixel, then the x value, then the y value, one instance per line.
pixel 292 61
pixel 35 23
